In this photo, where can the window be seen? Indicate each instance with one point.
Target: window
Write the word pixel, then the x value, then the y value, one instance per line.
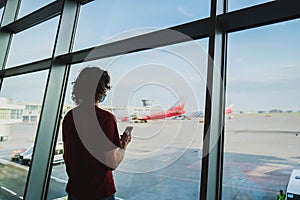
pixel 1 13
pixel 130 18
pixel 164 160
pixel 26 46
pixel 262 145
pixel 5 113
pixel 28 6
pixel 159 147
pixel 17 131
pixel 237 4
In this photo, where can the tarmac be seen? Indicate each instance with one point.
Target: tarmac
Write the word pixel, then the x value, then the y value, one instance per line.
pixel 260 153
pixel 163 160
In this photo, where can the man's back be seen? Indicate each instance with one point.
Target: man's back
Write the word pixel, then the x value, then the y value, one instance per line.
pixel 87 174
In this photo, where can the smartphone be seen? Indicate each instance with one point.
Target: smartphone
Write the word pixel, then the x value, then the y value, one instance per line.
pixel 128 129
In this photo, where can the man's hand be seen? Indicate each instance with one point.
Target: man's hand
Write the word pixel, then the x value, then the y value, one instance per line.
pixel 125 140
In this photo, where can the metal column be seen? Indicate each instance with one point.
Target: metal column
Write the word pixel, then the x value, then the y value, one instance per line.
pixel 10 14
pixel 39 174
pixel 213 136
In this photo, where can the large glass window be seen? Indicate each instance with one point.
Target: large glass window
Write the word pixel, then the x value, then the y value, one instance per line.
pixel 33 44
pixel 262 143
pixel 163 159
pixel 237 4
pixel 161 93
pixel 28 6
pixel 20 107
pixel 101 20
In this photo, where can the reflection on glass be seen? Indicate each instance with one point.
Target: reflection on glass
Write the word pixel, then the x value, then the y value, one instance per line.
pixel 33 44
pixel 237 4
pixel 1 13
pixel 20 107
pixel 28 6
pixel 163 159
pixel 133 17
pixel 262 142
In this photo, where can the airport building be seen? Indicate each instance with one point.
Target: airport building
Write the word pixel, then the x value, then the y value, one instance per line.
pixel 9 114
pixel 147 102
pixel 215 52
pixel 31 113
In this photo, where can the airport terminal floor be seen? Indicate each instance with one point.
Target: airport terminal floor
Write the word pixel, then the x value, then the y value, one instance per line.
pixel 210 87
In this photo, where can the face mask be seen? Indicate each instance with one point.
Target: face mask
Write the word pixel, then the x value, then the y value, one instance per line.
pixel 102 98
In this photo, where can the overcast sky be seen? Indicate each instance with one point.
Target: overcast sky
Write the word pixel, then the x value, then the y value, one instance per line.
pixel 263 63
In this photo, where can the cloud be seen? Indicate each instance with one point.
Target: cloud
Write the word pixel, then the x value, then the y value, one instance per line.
pixel 185 12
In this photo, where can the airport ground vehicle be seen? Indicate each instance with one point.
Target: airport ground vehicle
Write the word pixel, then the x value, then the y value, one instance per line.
pixel 26 156
pixel 58 153
pixel 15 154
pixel 3 138
pixel 293 186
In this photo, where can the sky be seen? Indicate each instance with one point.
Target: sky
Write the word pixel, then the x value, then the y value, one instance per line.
pixel 163 75
pixel 263 63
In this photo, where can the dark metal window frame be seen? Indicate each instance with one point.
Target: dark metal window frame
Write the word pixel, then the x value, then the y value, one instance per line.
pixel 216 27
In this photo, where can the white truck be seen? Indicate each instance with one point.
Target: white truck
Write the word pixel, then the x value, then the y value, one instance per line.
pixel 26 156
pixel 293 186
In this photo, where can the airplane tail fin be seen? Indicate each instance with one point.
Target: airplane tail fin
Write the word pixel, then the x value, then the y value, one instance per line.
pixel 228 110
pixel 179 103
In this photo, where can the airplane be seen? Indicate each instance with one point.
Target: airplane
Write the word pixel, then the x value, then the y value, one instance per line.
pixel 175 110
pixel 228 110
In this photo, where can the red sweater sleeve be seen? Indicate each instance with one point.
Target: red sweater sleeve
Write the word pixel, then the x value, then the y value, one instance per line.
pixel 109 126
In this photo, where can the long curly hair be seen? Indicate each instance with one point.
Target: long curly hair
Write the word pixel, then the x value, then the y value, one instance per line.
pixel 90 85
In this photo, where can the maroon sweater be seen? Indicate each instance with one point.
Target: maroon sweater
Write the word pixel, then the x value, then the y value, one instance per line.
pixel 89 178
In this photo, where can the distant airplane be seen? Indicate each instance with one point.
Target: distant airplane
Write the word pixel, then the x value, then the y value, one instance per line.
pixel 175 110
pixel 228 110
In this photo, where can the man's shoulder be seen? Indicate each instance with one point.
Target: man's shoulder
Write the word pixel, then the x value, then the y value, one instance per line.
pixel 105 113
pixel 68 115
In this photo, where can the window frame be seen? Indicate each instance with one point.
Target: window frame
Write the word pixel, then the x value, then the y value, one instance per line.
pixel 216 27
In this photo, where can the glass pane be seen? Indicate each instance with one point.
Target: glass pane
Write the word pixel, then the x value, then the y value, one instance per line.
pixel 1 12
pixel 262 143
pixel 164 158
pixel 33 44
pixel 28 6
pixel 133 17
pixel 20 107
pixel 238 4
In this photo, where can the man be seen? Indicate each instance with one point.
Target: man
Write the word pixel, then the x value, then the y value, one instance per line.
pixel 92 146
pixel 281 196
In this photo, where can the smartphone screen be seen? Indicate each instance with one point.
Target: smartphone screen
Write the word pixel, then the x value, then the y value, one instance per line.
pixel 129 129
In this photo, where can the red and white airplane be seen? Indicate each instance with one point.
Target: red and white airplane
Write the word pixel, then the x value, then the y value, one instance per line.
pixel 228 110
pixel 175 110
